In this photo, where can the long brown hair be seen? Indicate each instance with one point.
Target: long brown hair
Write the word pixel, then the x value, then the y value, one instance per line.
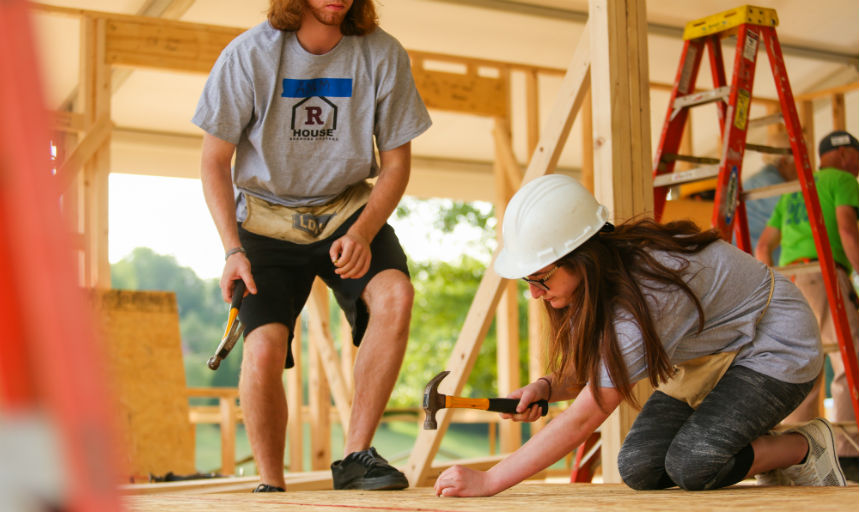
pixel 361 18
pixel 610 266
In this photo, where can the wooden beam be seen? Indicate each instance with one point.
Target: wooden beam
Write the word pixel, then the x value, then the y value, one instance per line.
pixel 619 87
pixel 587 122
pixel 65 121
pixel 347 354
pixel 324 344
pixel 467 92
pixel 536 312
pixel 460 364
pixel 823 93
pixel 806 113
pixel 95 99
pixel 319 398
pixel 563 112
pixel 95 139
pixel 837 105
pixel 228 435
pixel 505 157
pixel 507 180
pixel 165 44
pixel 295 401
pixel 478 319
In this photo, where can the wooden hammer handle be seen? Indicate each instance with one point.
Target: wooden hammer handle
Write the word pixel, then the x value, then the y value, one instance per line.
pixel 508 405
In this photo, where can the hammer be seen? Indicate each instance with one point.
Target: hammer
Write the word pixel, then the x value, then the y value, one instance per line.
pixel 234 327
pixel 433 401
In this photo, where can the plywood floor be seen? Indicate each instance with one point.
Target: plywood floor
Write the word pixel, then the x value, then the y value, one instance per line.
pixel 537 497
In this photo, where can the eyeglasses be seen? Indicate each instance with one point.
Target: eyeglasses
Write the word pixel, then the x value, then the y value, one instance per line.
pixel 541 282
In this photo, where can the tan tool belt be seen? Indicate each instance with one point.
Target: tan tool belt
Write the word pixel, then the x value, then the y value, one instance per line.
pixel 694 379
pixel 304 224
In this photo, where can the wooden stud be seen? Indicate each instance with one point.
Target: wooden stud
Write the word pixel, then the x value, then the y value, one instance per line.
pixel 347 354
pixel 806 113
pixel 65 121
pixel 95 98
pixel 228 435
pixel 295 402
pixel 587 121
pixel 318 404
pixel 95 139
pixel 536 312
pixel 324 344
pixel 619 85
pixel 507 317
pixel 837 105
pixel 511 172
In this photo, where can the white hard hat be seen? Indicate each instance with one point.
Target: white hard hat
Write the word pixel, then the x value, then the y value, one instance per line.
pixel 547 218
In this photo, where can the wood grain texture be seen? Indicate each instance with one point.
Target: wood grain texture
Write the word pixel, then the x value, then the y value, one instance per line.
pixel 569 497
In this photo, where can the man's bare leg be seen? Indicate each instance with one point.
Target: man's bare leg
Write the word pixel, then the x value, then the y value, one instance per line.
pixel 264 403
pixel 389 299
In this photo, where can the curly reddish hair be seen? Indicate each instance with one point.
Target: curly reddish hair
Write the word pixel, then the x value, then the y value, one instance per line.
pixel 361 18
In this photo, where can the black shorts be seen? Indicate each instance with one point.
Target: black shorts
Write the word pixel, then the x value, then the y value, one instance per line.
pixel 285 271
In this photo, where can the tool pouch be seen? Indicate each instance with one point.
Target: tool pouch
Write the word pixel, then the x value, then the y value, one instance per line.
pixel 304 224
pixel 694 379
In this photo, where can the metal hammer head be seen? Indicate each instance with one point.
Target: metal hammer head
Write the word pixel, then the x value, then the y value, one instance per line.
pixel 433 400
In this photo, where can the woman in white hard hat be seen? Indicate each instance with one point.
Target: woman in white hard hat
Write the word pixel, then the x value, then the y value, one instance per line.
pixel 732 347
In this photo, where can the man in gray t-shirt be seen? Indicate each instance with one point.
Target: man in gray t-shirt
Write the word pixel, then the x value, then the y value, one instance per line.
pixel 302 101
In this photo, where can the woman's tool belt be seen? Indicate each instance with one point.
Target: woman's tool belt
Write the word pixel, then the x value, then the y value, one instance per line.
pixel 694 379
pixel 304 224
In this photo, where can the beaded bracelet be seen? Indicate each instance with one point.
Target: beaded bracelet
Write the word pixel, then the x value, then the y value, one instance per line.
pixel 548 385
pixel 233 251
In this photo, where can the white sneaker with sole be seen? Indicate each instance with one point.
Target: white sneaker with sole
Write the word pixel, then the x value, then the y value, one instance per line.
pixel 821 467
pixel 775 476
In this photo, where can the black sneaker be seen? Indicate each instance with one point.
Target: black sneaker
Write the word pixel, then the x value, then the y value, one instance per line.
pixel 268 488
pixel 366 470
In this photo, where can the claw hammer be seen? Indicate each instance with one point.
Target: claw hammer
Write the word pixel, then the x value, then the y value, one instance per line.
pixel 433 401
pixel 234 327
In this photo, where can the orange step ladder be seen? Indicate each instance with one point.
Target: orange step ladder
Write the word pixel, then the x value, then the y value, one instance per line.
pixel 52 390
pixel 752 27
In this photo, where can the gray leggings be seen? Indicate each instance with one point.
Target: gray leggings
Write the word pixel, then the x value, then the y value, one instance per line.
pixel 671 444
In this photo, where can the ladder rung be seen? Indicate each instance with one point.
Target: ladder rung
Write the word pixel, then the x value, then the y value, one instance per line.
pixel 798 269
pixel 678 178
pixel 771 190
pixel 766 120
pixel 769 149
pixel 672 157
pixel 699 98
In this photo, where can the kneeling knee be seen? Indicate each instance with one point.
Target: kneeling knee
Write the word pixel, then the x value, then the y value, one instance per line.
pixel 639 474
pixel 688 473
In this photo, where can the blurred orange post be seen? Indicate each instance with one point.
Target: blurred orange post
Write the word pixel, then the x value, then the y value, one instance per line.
pixel 50 363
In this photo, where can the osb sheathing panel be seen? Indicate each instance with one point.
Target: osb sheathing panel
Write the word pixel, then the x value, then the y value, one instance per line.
pixel 144 351
pixel 528 496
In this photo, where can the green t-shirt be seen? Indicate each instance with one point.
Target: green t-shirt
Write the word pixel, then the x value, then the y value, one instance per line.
pixel 835 188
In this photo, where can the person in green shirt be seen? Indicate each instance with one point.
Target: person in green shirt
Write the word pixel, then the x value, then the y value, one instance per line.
pixel 789 228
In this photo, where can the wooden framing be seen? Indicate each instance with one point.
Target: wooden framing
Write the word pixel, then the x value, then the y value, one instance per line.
pixel 610 60
pixel 478 319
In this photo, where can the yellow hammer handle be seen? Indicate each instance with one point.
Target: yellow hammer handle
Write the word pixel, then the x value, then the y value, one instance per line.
pixel 467 403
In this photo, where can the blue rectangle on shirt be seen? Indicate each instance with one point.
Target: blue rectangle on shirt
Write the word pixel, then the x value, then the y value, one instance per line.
pixel 330 87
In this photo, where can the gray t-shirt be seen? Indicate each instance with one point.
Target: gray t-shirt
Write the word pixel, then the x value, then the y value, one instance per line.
pixel 304 124
pixel 732 287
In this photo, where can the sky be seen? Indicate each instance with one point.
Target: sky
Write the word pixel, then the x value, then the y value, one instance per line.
pixel 169 215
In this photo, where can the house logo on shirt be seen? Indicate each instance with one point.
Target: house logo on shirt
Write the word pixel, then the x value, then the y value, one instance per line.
pixel 314 116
